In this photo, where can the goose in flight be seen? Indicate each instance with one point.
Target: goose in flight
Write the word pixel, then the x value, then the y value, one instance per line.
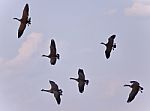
pixel 52 56
pixel 135 89
pixel 24 20
pixel 109 45
pixel 55 90
pixel 81 80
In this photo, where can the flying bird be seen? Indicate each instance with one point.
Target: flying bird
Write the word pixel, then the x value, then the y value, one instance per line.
pixel 135 89
pixel 81 80
pixel 55 90
pixel 52 56
pixel 24 20
pixel 109 45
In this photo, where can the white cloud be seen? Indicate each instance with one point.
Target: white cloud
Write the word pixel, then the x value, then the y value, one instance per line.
pixel 25 52
pixel 139 8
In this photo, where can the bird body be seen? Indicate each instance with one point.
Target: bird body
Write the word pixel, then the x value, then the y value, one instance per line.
pixel 24 20
pixel 135 89
pixel 52 56
pixel 109 45
pixel 55 90
pixel 81 80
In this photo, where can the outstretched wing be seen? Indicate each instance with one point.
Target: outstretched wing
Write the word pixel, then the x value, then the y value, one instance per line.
pixel 21 29
pixel 25 12
pixel 81 85
pixel 134 82
pixel 53 52
pixel 132 95
pixel 111 38
pixel 53 60
pixel 53 48
pixel 54 86
pixel 107 52
pixel 81 74
pixel 57 97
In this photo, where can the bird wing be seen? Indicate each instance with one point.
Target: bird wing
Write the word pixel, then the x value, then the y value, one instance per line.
pixel 107 52
pixel 53 52
pixel 54 86
pixel 111 38
pixel 81 85
pixel 132 94
pixel 53 48
pixel 53 60
pixel 133 82
pixel 21 29
pixel 57 97
pixel 81 74
pixel 25 11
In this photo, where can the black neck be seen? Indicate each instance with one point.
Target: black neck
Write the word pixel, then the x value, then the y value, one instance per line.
pixel 17 19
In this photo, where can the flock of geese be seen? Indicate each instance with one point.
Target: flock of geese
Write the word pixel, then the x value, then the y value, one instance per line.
pixel 53 56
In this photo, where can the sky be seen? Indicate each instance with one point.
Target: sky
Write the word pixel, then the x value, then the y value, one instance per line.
pixel 78 27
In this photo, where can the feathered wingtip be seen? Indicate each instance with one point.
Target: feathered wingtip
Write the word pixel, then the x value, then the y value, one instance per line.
pixel 133 81
pixel 58 99
pixel 52 42
pixel 128 101
pixel 113 36
pixel 107 54
pixel 20 34
pixel 27 5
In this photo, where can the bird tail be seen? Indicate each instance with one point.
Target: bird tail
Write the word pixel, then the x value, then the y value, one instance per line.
pixel 141 89
pixel 86 82
pixel 58 56
pixel 114 46
pixel 29 21
pixel 60 91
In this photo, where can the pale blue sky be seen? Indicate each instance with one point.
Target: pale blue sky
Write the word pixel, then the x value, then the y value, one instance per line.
pixel 78 27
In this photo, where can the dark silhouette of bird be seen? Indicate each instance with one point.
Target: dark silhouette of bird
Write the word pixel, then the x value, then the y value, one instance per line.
pixel 109 45
pixel 135 89
pixel 24 20
pixel 52 56
pixel 55 90
pixel 81 80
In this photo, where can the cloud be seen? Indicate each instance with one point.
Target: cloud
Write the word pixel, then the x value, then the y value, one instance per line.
pixel 138 8
pixel 25 52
